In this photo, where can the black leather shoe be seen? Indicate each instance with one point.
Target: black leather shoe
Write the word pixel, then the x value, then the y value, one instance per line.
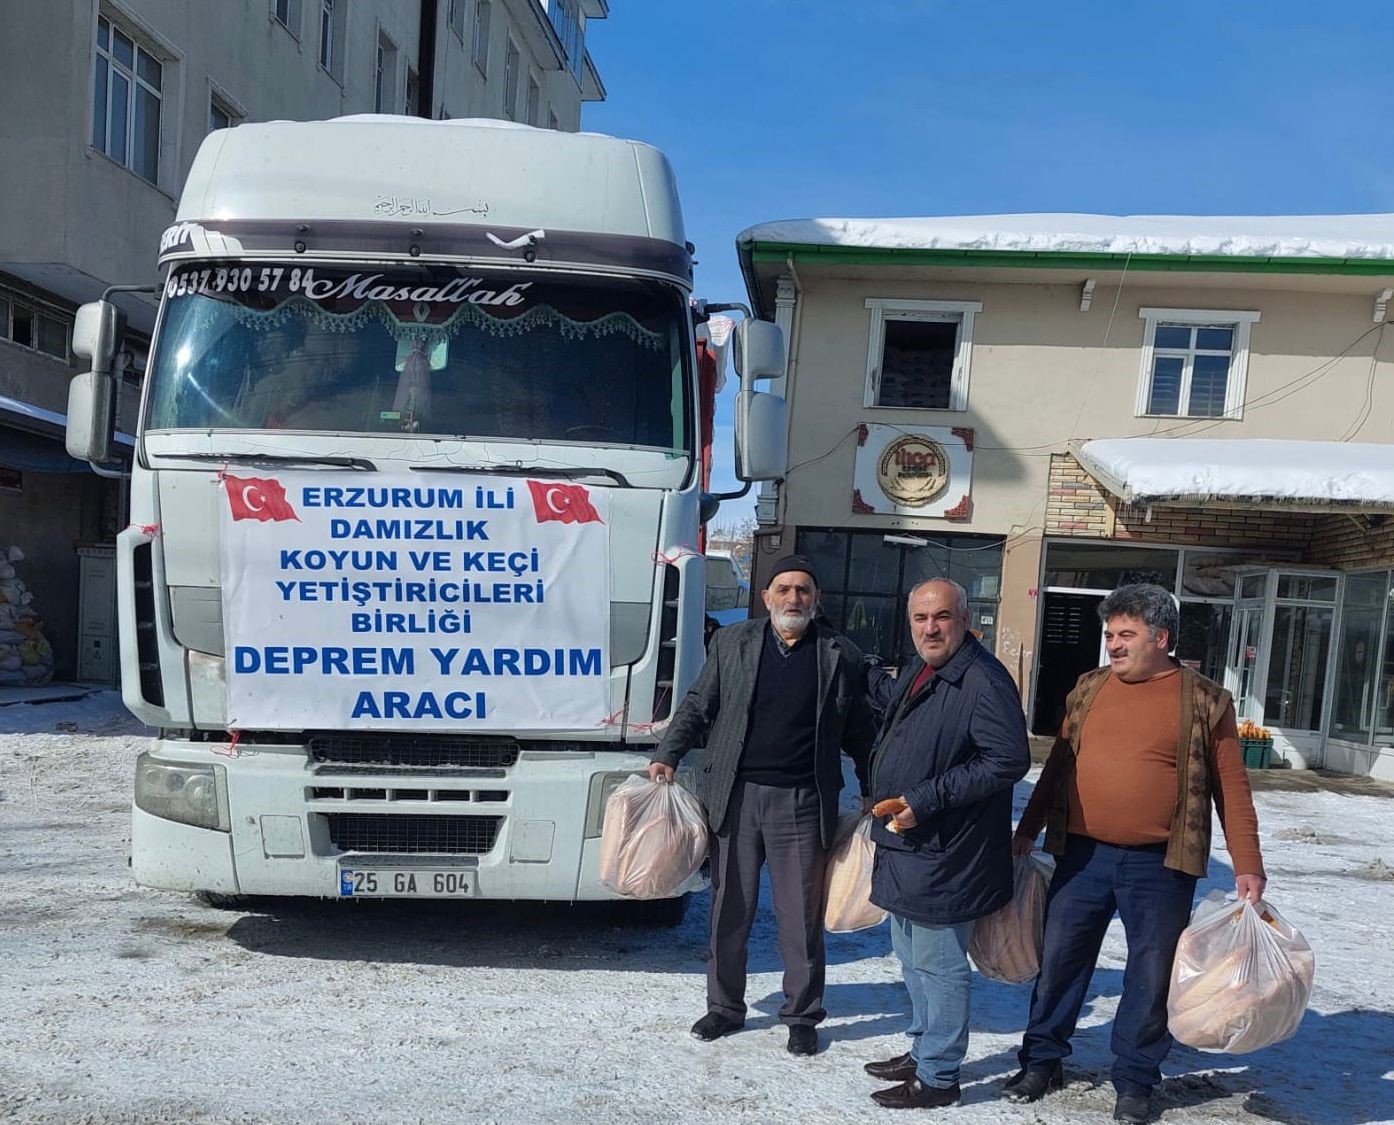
pixel 899 1069
pixel 713 1026
pixel 1032 1083
pixel 803 1039
pixel 914 1094
pixel 1135 1109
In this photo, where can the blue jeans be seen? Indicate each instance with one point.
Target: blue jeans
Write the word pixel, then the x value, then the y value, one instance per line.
pixel 1092 881
pixel 934 960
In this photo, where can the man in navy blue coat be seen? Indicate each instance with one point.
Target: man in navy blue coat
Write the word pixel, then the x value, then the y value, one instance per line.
pixel 952 745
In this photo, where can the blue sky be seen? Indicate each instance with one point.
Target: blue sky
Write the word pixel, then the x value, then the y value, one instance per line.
pixel 779 109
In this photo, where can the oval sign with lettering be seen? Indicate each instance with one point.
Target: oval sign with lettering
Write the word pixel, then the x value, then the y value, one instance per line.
pixel 913 470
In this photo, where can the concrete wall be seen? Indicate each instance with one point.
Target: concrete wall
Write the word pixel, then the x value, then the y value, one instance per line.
pixel 1043 374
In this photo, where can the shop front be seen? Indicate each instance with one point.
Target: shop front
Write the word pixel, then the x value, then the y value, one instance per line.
pixel 1286 593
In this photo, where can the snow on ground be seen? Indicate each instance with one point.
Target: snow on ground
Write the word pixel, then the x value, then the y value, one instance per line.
pixel 128 1005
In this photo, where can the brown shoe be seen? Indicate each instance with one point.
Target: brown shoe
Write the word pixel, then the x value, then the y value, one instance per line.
pixel 899 1069
pixel 914 1094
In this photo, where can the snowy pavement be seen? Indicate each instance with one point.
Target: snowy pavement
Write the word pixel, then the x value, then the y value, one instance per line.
pixel 119 1004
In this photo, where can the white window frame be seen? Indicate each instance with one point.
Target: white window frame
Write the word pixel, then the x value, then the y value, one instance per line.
pixel 532 112
pixel 512 71
pixel 330 51
pixel 385 74
pixel 231 108
pixel 479 44
pixel 165 96
pixel 1239 320
pixel 294 16
pixel 13 300
pixel 455 17
pixel 961 313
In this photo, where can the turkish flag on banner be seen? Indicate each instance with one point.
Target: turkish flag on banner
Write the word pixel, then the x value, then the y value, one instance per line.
pixel 256 498
pixel 569 503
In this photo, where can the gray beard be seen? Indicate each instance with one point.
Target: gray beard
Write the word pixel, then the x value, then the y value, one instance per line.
pixel 796 623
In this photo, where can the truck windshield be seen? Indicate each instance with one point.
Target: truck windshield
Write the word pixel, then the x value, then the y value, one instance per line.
pixel 430 350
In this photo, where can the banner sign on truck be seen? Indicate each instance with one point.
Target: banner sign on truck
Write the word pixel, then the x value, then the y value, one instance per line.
pixel 409 602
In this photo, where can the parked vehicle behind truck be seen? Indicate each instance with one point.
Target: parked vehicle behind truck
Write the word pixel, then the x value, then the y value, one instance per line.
pixel 410 574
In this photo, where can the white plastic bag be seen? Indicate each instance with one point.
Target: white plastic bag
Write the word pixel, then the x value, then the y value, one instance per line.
pixel 847 878
pixel 1006 944
pixel 653 840
pixel 1241 977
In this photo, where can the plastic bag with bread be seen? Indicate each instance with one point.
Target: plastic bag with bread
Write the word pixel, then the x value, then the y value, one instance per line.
pixel 1006 945
pixel 653 840
pixel 1241 978
pixel 847 878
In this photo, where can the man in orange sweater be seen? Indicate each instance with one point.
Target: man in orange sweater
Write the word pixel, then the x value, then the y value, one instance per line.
pixel 1147 745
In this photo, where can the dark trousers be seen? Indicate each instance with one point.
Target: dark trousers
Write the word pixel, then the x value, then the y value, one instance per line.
pixel 1092 881
pixel 779 827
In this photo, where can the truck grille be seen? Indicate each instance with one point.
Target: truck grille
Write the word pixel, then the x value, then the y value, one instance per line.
pixel 413 835
pixel 394 750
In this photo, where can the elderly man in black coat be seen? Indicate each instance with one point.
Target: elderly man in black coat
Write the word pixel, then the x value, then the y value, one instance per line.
pixel 775 704
pixel 952 745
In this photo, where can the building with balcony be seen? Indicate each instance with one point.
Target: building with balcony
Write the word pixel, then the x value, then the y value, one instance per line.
pixel 106 102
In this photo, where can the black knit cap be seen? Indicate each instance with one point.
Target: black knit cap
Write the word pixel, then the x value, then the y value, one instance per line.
pixel 793 562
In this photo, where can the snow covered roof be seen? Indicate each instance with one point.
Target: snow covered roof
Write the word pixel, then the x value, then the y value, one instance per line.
pixel 1305 475
pixel 1369 237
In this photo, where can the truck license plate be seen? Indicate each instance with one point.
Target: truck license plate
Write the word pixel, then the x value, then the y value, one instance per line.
pixel 378 882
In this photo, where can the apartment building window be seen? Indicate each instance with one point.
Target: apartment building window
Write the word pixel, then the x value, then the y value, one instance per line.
pixel 510 80
pixel 455 17
pixel 385 76
pixel 126 93
pixel 1194 362
pixel 480 50
pixel 29 327
pixel 552 122
pixel 331 35
pixel 534 107
pixel 919 353
pixel 287 14
pixel 222 113
pixel 566 22
pixel 413 104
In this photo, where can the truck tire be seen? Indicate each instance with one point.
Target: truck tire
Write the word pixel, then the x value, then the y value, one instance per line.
pixel 223 902
pixel 662 912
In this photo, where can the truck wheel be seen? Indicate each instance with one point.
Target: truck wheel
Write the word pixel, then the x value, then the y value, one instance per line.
pixel 223 902
pixel 664 912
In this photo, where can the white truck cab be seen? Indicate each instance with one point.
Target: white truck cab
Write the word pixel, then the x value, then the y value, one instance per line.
pixel 388 347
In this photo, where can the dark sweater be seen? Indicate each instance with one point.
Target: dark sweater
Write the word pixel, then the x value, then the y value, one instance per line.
pixel 779 743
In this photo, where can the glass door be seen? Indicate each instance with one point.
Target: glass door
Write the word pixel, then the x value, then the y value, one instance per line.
pixel 1247 651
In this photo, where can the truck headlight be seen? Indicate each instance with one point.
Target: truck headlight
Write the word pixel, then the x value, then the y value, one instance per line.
pixel 187 794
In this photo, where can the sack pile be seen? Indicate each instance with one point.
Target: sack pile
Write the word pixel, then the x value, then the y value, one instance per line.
pixel 653 840
pixel 25 656
pixel 1241 978
pixel 1006 945
pixel 847 878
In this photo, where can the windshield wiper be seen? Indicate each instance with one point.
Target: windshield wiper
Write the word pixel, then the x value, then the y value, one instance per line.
pixel 278 459
pixel 528 471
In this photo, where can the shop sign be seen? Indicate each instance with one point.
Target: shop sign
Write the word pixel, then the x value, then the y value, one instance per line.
pixel 926 471
pixel 913 470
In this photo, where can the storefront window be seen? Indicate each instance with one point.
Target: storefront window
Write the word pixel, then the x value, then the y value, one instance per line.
pixel 1087 566
pixel 865 580
pixel 1297 666
pixel 1357 656
pixel 1203 640
pixel 1384 679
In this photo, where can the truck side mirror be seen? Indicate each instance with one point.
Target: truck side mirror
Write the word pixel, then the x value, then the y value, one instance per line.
pixel 98 330
pixel 762 436
pixel 759 351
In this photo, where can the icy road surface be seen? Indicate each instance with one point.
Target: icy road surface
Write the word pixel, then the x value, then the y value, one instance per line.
pixel 119 1004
